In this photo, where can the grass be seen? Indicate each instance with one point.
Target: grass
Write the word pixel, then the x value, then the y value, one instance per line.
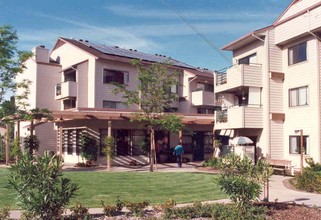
pixel 154 187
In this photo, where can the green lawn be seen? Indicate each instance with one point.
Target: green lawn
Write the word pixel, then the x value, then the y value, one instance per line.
pixel 154 187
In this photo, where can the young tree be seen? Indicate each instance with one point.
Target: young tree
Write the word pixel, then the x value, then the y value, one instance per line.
pixel 154 97
pixel 41 189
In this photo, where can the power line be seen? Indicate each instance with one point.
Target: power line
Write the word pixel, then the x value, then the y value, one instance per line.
pixel 202 36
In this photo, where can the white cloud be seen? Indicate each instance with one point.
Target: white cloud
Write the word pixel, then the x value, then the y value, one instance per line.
pixel 197 14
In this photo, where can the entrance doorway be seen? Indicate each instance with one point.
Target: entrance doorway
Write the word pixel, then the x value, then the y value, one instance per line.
pixel 198 145
pixel 122 142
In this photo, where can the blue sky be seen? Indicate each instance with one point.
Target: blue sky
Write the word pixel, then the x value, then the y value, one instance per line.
pixel 192 31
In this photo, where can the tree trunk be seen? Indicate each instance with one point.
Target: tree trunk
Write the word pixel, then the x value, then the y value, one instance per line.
pixel 152 149
pixel 7 144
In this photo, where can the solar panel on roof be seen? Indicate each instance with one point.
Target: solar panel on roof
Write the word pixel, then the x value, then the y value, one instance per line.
pixel 110 50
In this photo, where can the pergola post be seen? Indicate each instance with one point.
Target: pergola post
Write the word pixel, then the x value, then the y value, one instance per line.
pixel 180 136
pixel 18 138
pixel 108 146
pixel 7 143
pixel 60 139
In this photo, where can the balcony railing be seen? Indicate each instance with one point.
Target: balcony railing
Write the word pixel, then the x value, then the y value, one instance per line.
pixel 66 89
pixel 239 75
pixel 249 116
pixel 202 98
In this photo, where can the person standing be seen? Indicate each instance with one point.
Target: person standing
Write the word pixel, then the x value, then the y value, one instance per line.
pixel 178 152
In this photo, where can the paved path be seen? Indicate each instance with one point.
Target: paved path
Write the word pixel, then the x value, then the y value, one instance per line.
pixel 278 192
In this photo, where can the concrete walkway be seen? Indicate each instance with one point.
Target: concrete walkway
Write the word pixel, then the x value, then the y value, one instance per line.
pixel 278 192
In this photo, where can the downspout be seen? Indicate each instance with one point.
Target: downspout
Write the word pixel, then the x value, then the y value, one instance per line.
pixel 318 39
pixel 266 88
pixel 318 93
pixel 318 97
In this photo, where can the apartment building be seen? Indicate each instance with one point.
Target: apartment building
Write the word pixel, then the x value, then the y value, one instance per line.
pixel 272 90
pixel 72 81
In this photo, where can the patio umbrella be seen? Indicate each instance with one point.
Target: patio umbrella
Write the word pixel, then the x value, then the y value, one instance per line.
pixel 241 140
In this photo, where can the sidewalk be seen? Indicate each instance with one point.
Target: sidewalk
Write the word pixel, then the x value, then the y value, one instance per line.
pixel 278 192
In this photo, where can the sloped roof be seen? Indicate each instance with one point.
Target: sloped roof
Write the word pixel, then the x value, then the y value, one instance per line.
pixel 99 51
pixel 246 39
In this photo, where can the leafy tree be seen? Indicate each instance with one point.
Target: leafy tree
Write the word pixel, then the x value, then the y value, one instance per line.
pixel 88 147
pixel 31 144
pixel 109 150
pixel 154 97
pixel 11 64
pixel 42 191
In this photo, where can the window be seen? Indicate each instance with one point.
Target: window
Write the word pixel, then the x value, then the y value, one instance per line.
pixel 205 111
pixel 171 109
pixel 114 105
pixel 297 53
pixel 69 103
pixel 174 89
pixel 70 75
pixel 204 87
pixel 70 141
pixel 298 96
pixel 295 144
pixel 116 76
pixel 248 60
pixel 140 143
pixel 208 142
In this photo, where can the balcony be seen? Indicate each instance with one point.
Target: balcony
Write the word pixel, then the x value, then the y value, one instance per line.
pixel 235 117
pixel 238 76
pixel 202 98
pixel 66 90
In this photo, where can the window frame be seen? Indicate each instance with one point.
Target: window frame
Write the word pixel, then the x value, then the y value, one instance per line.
pixel 124 79
pixel 115 104
pixel 306 142
pixel 294 53
pixel 298 97
pixel 246 60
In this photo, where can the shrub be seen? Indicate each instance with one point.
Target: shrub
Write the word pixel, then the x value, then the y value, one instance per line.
pixel 309 181
pixel 109 210
pixel 119 204
pixel 41 190
pixel 137 208
pixel 88 147
pixel 15 150
pixel 79 212
pixel 313 166
pixel 241 179
pixel 213 162
pixel 5 212
pixel 166 205
pixel 215 211
pixel 31 143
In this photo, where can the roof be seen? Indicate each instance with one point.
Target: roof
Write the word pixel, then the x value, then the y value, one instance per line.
pixel 104 52
pixel 246 39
